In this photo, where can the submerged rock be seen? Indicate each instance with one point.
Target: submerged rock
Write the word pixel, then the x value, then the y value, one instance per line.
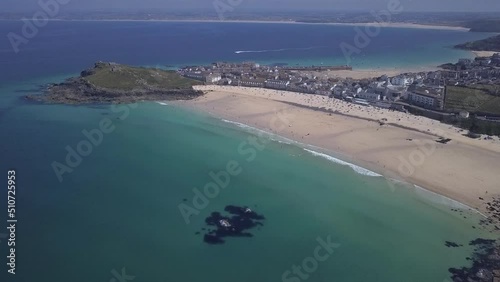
pixel 452 244
pixel 233 225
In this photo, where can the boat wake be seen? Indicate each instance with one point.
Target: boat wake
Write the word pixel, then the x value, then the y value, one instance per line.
pixel 277 50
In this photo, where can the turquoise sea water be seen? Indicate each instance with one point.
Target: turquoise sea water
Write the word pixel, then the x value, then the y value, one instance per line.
pixel 119 208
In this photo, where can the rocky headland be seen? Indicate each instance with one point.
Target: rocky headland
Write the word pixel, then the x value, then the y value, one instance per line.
pixel 116 83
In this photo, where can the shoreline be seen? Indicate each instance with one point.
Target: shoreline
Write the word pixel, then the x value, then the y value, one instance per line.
pixel 483 53
pixel 383 24
pixel 229 103
pixel 326 154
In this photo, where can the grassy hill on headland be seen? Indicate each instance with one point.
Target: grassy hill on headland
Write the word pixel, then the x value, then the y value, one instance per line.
pixel 488 44
pixel 115 83
pixel 483 25
pixel 122 77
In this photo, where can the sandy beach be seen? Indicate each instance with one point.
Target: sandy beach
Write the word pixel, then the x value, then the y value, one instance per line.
pixel 380 24
pixel 484 53
pixel 397 145
pixel 406 25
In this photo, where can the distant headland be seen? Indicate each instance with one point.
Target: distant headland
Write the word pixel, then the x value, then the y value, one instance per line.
pixel 476 22
pixel 116 83
pixel 488 44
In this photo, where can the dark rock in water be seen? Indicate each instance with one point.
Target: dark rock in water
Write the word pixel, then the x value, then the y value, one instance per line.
pixel 452 244
pixel 480 241
pixel 244 212
pixel 197 233
pixel 210 239
pixel 485 263
pixel 233 225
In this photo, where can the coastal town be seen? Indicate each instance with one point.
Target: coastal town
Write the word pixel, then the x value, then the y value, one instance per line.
pixel 426 92
pixel 376 121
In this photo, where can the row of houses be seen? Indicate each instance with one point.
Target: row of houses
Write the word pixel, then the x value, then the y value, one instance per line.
pixel 207 77
pixel 423 89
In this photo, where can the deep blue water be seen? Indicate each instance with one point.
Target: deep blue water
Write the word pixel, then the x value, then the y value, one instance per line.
pixel 68 47
pixel 119 208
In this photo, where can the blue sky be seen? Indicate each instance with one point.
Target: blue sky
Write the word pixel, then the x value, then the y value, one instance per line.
pixel 335 5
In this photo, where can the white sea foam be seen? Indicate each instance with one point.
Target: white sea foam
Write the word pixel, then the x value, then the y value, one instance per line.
pixel 356 168
pixel 443 200
pixel 239 124
pixel 284 140
pixel 162 103
pixel 272 136
pixel 424 193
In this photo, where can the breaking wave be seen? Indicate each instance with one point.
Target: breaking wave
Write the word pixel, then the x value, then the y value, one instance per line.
pixel 254 130
pixel 356 168
pixel 284 140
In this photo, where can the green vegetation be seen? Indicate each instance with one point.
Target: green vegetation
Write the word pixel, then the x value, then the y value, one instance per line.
pixel 477 126
pixel 115 83
pixel 489 88
pixel 488 44
pixel 121 77
pixel 474 99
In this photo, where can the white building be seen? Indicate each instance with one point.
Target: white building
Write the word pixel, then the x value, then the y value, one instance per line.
pixel 361 102
pixel 401 80
pixel 277 84
pixel 369 96
pixel 423 99
pixel 213 78
pixel 194 75
pixel 251 83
